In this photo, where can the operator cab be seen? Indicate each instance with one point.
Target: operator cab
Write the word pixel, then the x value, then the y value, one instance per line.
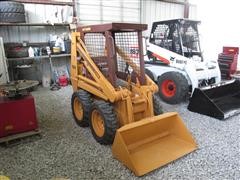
pixel 179 36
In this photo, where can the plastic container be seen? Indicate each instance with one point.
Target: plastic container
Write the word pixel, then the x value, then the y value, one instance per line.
pixel 46 81
pixel 63 80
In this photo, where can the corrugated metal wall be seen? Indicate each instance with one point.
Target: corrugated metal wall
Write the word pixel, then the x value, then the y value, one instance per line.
pixel 153 10
pixel 144 11
pixel 105 11
pixel 193 12
pixel 156 10
pixel 94 12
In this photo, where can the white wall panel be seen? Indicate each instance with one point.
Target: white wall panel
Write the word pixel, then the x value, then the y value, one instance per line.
pixel 39 13
pixel 111 14
pixel 89 13
pixel 131 15
pixel 111 3
pixel 193 12
pixel 153 10
pixel 132 11
pixel 105 11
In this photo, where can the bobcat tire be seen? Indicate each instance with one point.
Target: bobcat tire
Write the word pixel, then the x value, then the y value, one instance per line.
pixel 103 123
pixel 11 7
pixel 157 107
pixel 173 87
pixel 150 74
pixel 17 52
pixel 81 104
pixel 12 18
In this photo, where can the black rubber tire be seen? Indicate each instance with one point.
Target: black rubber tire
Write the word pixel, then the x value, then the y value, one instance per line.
pixel 12 45
pixel 157 107
pixel 17 52
pixel 149 73
pixel 11 7
pixel 12 18
pixel 110 121
pixel 182 87
pixel 85 98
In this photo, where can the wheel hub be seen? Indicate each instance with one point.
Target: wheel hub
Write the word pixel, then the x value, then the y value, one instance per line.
pixel 78 109
pixel 98 123
pixel 168 88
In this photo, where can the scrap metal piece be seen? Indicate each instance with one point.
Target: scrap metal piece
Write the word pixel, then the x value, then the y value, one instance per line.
pixel 17 88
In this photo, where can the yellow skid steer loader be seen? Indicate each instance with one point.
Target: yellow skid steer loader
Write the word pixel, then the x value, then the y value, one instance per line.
pixel 116 99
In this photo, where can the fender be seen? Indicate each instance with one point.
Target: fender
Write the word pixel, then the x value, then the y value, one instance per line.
pixel 176 63
pixel 158 70
pixel 192 70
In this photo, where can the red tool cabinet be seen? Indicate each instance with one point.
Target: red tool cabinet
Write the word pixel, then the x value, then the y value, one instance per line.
pixel 227 61
pixel 17 115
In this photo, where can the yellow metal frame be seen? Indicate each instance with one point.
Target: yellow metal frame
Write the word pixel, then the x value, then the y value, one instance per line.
pixel 130 105
pixel 143 142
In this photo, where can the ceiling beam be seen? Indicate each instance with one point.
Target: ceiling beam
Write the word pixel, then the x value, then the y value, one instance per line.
pixel 186 9
pixel 174 1
pixel 50 2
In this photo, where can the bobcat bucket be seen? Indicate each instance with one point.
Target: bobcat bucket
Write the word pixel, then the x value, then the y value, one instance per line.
pixel 220 101
pixel 148 144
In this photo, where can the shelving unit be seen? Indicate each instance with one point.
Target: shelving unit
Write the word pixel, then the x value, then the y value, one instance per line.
pixel 34 24
pixel 26 60
pixel 50 2
pixel 39 57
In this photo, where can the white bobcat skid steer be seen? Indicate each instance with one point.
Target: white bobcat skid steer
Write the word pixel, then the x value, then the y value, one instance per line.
pixel 176 62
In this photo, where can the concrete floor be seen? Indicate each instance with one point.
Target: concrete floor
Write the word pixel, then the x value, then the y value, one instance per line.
pixel 66 150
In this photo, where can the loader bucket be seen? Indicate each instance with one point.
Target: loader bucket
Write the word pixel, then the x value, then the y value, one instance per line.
pixel 219 101
pixel 148 144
